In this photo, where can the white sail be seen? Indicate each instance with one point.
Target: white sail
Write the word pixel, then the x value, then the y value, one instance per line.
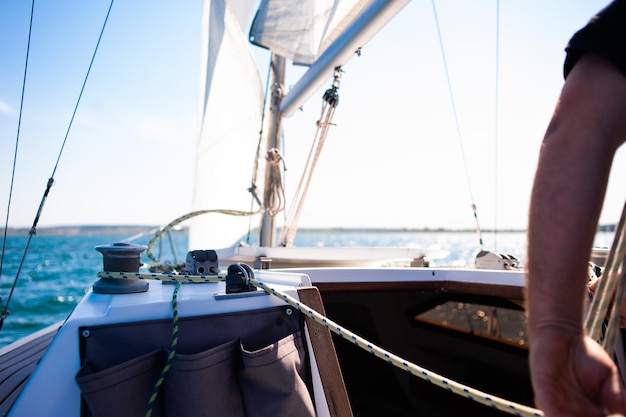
pixel 300 30
pixel 231 106
pixel 322 33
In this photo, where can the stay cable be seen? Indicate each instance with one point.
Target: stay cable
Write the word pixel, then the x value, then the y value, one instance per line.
pixel 33 230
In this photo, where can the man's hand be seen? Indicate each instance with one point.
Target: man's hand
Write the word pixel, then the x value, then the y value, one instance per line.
pixel 573 375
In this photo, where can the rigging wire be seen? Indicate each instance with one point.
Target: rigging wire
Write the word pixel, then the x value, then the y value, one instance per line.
pixel 17 139
pixel 255 169
pixel 33 230
pixel 497 125
pixel 456 122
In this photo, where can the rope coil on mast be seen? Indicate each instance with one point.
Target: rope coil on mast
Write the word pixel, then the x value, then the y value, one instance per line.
pixel 275 195
pixel 330 100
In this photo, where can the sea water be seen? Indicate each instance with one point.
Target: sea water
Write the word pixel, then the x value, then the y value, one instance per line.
pixel 58 270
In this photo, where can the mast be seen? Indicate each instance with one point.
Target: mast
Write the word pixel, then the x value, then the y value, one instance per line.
pixel 356 33
pixel 267 234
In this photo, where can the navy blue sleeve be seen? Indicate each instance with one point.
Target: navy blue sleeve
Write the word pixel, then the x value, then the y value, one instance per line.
pixel 604 35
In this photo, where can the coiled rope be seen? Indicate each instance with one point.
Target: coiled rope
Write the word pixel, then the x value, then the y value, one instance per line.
pixel 495 402
pixel 274 196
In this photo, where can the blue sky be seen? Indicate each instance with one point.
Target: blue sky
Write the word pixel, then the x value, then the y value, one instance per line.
pixel 394 153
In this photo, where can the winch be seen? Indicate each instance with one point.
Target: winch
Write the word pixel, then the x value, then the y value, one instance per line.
pixel 495 260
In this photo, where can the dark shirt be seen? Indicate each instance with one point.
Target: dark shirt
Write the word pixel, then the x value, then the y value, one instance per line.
pixel 604 35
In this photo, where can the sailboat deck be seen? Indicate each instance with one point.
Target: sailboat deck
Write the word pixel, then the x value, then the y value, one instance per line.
pixel 18 361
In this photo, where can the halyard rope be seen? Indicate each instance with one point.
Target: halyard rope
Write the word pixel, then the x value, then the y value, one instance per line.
pixel 432 377
pixel 329 105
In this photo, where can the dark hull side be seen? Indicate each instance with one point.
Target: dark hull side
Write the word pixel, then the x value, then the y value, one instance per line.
pixel 456 343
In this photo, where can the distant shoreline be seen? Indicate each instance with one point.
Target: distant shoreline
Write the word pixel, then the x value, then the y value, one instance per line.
pixel 131 230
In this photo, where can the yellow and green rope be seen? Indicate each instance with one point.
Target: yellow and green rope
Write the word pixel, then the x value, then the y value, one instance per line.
pixel 170 356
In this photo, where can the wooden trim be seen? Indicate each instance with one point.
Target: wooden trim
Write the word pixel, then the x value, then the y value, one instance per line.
pixel 325 356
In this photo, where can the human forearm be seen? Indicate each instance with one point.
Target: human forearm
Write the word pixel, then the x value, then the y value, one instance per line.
pixel 565 206
pixel 586 129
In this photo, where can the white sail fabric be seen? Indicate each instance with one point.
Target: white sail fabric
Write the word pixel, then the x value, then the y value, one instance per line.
pixel 324 33
pixel 231 106
pixel 301 30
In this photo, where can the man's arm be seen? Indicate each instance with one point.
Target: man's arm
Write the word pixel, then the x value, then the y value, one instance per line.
pixel 589 123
